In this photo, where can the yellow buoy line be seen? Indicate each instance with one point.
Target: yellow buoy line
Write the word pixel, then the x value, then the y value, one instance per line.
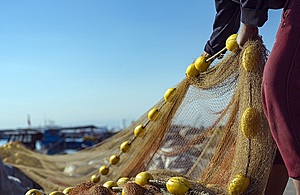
pixel 202 63
pixel 179 185
pixel 250 121
pixel 126 145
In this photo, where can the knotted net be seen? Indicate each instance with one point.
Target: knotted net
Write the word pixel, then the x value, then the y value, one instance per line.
pixel 197 134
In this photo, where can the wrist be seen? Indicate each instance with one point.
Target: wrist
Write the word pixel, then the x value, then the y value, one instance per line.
pixel 205 54
pixel 249 27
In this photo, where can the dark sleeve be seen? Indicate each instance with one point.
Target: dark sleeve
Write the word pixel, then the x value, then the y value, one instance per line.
pixel 254 12
pixel 227 22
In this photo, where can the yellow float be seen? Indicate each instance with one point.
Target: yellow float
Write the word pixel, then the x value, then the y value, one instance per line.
pixel 250 122
pixel 169 94
pixel 231 43
pixel 178 185
pixel 125 146
pixel 201 64
pixel 138 131
pixel 95 178
pixel 238 185
pixel 152 114
pixel 114 159
pixel 191 71
pixel 143 178
pixel 250 58
pixel 104 170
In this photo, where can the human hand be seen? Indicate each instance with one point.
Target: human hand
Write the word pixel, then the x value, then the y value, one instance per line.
pixel 246 32
pixel 205 54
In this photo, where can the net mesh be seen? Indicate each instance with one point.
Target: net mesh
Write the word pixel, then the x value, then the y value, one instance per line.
pixel 197 134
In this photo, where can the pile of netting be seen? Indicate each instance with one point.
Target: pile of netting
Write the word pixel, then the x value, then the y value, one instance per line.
pixel 208 133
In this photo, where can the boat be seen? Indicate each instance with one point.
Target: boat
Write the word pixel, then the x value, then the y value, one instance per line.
pixel 56 140
pixel 28 136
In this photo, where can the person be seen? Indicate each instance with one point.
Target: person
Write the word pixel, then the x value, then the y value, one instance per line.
pixel 281 77
pixel 14 182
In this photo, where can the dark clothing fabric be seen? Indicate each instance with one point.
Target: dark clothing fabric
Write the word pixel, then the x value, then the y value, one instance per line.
pixel 5 187
pixel 229 14
pixel 281 79
pixel 278 158
pixel 14 182
pixel 280 90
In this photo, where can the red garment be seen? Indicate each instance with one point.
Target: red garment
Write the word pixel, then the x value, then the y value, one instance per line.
pixel 281 88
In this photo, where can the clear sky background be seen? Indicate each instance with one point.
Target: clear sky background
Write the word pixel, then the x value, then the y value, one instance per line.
pixel 81 62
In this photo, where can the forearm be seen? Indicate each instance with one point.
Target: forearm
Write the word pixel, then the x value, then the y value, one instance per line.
pixel 230 13
pixel 254 12
pixel 227 22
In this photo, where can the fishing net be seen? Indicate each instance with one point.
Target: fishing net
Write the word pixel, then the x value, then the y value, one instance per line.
pixel 209 129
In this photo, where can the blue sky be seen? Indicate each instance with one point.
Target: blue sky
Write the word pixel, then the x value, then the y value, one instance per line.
pixel 79 62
